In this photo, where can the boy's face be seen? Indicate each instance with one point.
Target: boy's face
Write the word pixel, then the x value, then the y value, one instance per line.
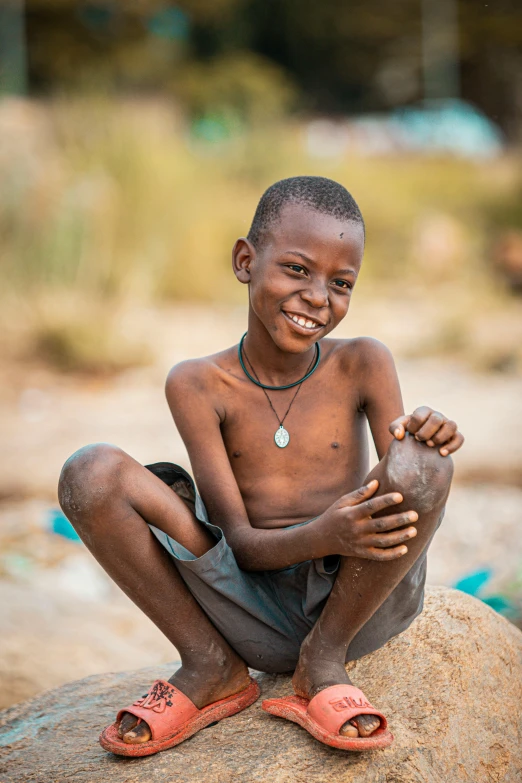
pixel 302 276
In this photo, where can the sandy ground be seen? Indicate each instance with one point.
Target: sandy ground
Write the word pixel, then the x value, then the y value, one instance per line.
pixel 61 618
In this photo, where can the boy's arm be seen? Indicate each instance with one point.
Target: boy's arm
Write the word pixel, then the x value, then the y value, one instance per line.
pixel 380 391
pixel 345 528
pixel 382 401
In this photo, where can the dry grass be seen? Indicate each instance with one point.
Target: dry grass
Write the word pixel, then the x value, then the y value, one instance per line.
pixel 85 338
pixel 72 333
pixel 109 203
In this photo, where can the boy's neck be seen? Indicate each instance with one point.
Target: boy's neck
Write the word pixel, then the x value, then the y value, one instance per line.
pixel 273 366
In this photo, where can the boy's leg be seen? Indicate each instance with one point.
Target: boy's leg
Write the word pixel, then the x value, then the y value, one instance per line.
pixel 423 478
pixel 109 498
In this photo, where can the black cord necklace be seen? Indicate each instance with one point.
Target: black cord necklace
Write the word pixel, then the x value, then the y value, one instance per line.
pixel 240 351
pixel 282 436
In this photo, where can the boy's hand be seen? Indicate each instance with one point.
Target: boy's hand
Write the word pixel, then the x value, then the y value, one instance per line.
pixel 351 531
pixel 430 427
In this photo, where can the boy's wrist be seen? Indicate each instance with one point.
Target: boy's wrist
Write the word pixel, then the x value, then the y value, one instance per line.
pixel 255 549
pixel 315 539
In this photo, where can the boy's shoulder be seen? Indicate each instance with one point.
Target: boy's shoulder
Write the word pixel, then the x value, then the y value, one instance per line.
pixel 366 365
pixel 359 352
pixel 200 374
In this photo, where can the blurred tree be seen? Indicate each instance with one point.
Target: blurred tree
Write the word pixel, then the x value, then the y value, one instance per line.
pixel 343 57
pixel 491 60
pixel 338 52
pixel 13 54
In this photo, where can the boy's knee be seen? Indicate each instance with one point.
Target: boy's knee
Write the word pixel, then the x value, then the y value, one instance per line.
pixel 419 472
pixel 88 477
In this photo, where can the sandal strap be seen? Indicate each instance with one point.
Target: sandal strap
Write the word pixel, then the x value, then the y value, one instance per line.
pixel 164 708
pixel 336 705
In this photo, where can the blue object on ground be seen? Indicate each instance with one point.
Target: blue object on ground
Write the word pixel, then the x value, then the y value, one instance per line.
pixel 474 582
pixel 60 525
pixel 499 604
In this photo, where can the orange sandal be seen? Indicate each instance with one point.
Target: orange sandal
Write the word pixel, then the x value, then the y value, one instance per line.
pixel 172 718
pixel 325 714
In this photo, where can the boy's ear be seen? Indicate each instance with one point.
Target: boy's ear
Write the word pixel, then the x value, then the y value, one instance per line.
pixel 243 253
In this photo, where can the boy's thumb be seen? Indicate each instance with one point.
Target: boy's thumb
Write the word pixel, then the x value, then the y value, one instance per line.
pixel 398 427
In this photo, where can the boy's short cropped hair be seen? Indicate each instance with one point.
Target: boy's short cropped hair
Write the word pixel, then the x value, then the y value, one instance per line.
pixel 319 193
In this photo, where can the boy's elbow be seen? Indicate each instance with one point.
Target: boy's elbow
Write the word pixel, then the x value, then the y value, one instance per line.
pixel 240 544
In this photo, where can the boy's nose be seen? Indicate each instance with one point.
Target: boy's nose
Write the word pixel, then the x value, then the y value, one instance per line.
pixel 316 296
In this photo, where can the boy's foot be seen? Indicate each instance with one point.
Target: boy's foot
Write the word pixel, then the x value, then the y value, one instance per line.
pixel 201 688
pixel 311 678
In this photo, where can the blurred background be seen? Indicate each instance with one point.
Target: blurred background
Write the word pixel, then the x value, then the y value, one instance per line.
pixel 135 141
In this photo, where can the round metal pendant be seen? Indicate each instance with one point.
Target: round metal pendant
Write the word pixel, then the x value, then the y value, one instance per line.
pixel 282 438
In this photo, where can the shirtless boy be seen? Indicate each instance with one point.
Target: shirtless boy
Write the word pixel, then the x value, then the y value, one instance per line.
pixel 292 558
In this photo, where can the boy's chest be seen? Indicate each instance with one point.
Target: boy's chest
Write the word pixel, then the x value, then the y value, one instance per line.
pixel 324 425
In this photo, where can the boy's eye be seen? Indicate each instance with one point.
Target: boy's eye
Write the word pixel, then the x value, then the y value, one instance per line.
pixel 343 284
pixel 296 268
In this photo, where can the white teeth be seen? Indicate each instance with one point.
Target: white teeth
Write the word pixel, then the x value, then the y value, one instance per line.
pixel 307 323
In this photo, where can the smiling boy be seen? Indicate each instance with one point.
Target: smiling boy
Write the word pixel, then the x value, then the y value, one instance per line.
pixel 291 558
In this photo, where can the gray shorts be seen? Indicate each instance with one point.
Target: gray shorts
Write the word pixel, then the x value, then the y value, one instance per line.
pixel 265 615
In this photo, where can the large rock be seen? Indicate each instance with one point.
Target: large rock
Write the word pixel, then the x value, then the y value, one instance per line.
pixel 451 686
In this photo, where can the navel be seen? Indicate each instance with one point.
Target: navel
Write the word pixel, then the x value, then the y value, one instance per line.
pixel 236 454
pixel 335 445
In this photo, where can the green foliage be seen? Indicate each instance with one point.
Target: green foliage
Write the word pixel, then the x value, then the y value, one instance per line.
pixel 240 89
pixel 340 57
pixel 118 201
pixel 129 204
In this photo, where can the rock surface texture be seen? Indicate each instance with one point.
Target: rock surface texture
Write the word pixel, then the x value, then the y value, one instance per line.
pixel 451 687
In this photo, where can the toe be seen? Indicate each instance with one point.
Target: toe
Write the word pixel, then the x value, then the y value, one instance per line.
pixel 141 733
pixel 367 724
pixel 349 730
pixel 127 723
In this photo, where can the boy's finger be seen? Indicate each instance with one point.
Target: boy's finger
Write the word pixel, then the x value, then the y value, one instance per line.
pixel 392 522
pixel 372 506
pixel 418 418
pixel 359 495
pixel 454 444
pixel 445 434
pixel 431 426
pixel 372 553
pixel 398 427
pixel 388 540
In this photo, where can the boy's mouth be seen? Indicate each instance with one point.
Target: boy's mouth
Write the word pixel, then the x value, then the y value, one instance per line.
pixel 303 324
